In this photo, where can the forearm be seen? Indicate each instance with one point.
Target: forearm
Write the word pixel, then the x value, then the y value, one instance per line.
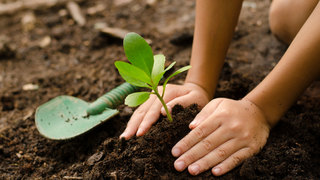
pixel 296 70
pixel 214 27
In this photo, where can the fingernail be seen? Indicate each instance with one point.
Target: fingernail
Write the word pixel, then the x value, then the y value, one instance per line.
pixel 169 108
pixel 193 123
pixel 176 152
pixel 123 135
pixel 216 171
pixel 163 111
pixel 139 132
pixel 194 169
pixel 180 165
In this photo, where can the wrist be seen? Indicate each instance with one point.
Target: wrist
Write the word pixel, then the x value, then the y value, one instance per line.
pixel 259 110
pixel 271 115
pixel 203 79
pixel 207 91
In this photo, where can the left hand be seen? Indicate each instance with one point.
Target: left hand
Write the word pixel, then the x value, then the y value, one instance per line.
pixel 149 112
pixel 225 133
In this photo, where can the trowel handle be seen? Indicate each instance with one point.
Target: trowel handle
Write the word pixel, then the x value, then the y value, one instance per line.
pixel 111 99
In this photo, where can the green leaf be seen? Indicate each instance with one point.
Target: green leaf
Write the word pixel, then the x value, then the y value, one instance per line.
pixel 175 73
pixel 158 69
pixel 135 99
pixel 135 82
pixel 170 66
pixel 132 74
pixel 138 52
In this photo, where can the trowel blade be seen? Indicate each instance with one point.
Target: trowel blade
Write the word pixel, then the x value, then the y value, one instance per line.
pixel 65 117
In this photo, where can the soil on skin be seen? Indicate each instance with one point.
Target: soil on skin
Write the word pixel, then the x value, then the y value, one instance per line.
pixel 79 61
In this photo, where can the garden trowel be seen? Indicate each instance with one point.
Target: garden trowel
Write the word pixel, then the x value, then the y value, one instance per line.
pixel 65 117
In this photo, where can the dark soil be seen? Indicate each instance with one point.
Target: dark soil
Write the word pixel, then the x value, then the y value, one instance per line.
pixel 78 61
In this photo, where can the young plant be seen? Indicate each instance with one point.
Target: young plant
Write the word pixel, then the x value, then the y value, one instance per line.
pixel 146 70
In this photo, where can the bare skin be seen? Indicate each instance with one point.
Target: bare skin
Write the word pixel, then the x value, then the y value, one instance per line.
pixel 226 131
pixel 206 63
pixel 284 20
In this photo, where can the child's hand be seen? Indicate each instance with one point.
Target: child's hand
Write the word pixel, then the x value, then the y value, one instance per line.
pixel 149 112
pixel 225 133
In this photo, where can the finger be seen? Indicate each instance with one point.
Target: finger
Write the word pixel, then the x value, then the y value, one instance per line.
pixel 232 161
pixel 153 113
pixel 205 112
pixel 137 118
pixel 150 118
pixel 215 157
pixel 201 149
pixel 185 101
pixel 174 94
pixel 195 136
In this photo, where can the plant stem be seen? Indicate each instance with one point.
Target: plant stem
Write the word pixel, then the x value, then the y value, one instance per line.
pixel 164 105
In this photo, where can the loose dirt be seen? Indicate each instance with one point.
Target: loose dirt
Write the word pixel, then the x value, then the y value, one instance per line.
pixel 54 56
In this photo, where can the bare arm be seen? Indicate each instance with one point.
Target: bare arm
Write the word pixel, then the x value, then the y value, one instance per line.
pixel 299 66
pixel 226 131
pixel 214 27
pixel 215 23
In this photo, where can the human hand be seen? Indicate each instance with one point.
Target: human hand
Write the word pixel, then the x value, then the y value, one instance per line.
pixel 149 112
pixel 225 133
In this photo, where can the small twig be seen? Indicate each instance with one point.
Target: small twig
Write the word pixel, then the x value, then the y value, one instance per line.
pixel 76 14
pixel 71 177
pixel 11 8
pixel 115 32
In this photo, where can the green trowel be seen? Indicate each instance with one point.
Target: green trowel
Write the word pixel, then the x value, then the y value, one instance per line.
pixel 66 117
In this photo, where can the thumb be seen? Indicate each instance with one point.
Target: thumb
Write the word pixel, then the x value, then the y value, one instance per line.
pixel 205 112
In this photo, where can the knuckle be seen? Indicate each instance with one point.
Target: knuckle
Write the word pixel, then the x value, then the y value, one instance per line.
pixel 190 157
pixel 222 153
pixel 184 144
pixel 207 145
pixel 236 126
pixel 236 160
pixel 152 112
pixel 139 112
pixel 199 132
pixel 223 113
pixel 151 117
pixel 246 136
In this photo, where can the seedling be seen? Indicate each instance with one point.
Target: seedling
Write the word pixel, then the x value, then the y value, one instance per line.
pixel 145 70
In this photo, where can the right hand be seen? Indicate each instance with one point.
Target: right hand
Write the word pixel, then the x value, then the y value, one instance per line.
pixel 149 112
